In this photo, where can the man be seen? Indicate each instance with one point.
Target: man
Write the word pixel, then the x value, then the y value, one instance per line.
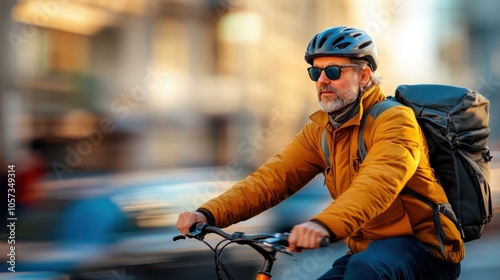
pixel 390 235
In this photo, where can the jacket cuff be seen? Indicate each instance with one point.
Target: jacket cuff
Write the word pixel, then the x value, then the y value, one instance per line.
pixel 208 215
pixel 333 237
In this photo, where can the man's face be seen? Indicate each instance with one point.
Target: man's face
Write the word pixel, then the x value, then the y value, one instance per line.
pixel 334 95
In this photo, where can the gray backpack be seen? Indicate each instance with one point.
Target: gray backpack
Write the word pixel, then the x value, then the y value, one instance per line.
pixel 455 123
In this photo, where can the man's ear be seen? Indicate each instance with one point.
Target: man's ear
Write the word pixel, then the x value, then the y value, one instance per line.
pixel 364 75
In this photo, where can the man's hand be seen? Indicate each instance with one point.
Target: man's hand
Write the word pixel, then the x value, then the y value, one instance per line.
pixel 187 219
pixel 306 236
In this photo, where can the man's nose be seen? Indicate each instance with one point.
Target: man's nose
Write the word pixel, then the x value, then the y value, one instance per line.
pixel 323 79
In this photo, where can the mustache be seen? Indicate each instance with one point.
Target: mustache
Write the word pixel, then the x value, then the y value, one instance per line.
pixel 328 88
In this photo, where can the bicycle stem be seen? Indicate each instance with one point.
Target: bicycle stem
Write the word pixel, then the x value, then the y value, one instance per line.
pixel 268 264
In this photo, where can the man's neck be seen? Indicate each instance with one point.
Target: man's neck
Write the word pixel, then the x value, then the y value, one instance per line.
pixel 339 117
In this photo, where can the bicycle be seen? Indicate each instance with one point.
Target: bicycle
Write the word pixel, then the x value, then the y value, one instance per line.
pixel 267 245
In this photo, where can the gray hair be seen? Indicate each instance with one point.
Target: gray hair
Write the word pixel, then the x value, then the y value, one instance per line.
pixel 374 79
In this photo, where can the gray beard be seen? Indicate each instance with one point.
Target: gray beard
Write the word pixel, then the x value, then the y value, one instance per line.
pixel 330 106
pixel 336 106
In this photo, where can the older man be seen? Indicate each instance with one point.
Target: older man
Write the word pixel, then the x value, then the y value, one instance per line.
pixel 390 236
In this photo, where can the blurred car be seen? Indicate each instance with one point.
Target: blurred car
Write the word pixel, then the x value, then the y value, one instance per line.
pixel 121 226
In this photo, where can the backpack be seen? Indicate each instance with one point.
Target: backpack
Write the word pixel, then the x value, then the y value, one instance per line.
pixel 455 123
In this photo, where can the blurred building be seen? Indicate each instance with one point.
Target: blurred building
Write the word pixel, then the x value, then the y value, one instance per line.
pixel 148 84
pixel 482 41
pixel 121 85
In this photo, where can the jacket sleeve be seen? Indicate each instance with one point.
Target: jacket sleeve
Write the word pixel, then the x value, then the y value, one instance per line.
pixel 393 143
pixel 277 179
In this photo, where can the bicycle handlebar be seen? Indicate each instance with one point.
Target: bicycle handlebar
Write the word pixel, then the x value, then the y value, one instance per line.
pixel 265 244
pixel 199 230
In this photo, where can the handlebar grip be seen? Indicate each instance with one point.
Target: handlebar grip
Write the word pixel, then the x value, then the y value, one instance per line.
pixel 284 237
pixel 197 229
pixel 325 241
pixel 194 227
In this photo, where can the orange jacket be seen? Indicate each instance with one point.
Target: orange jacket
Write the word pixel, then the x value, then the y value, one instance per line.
pixel 367 205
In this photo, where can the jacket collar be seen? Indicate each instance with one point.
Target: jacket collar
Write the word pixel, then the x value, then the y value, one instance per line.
pixel 371 97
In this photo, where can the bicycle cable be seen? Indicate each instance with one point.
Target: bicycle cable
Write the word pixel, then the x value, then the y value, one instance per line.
pixel 217 258
pixel 218 261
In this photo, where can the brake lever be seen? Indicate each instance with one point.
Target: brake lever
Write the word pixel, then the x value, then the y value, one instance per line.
pixel 178 237
pixel 196 231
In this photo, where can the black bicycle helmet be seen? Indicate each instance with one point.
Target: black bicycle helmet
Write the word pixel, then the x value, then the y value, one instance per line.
pixel 343 41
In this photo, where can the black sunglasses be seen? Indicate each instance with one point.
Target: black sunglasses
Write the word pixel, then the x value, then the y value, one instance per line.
pixel 332 72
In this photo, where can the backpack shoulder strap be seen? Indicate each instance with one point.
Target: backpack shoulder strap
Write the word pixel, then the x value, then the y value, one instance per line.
pixel 375 111
pixel 325 148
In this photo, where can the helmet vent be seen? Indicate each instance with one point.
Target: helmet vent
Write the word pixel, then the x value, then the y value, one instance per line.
pixel 338 40
pixel 357 34
pixel 313 42
pixel 322 41
pixel 343 46
pixel 365 44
